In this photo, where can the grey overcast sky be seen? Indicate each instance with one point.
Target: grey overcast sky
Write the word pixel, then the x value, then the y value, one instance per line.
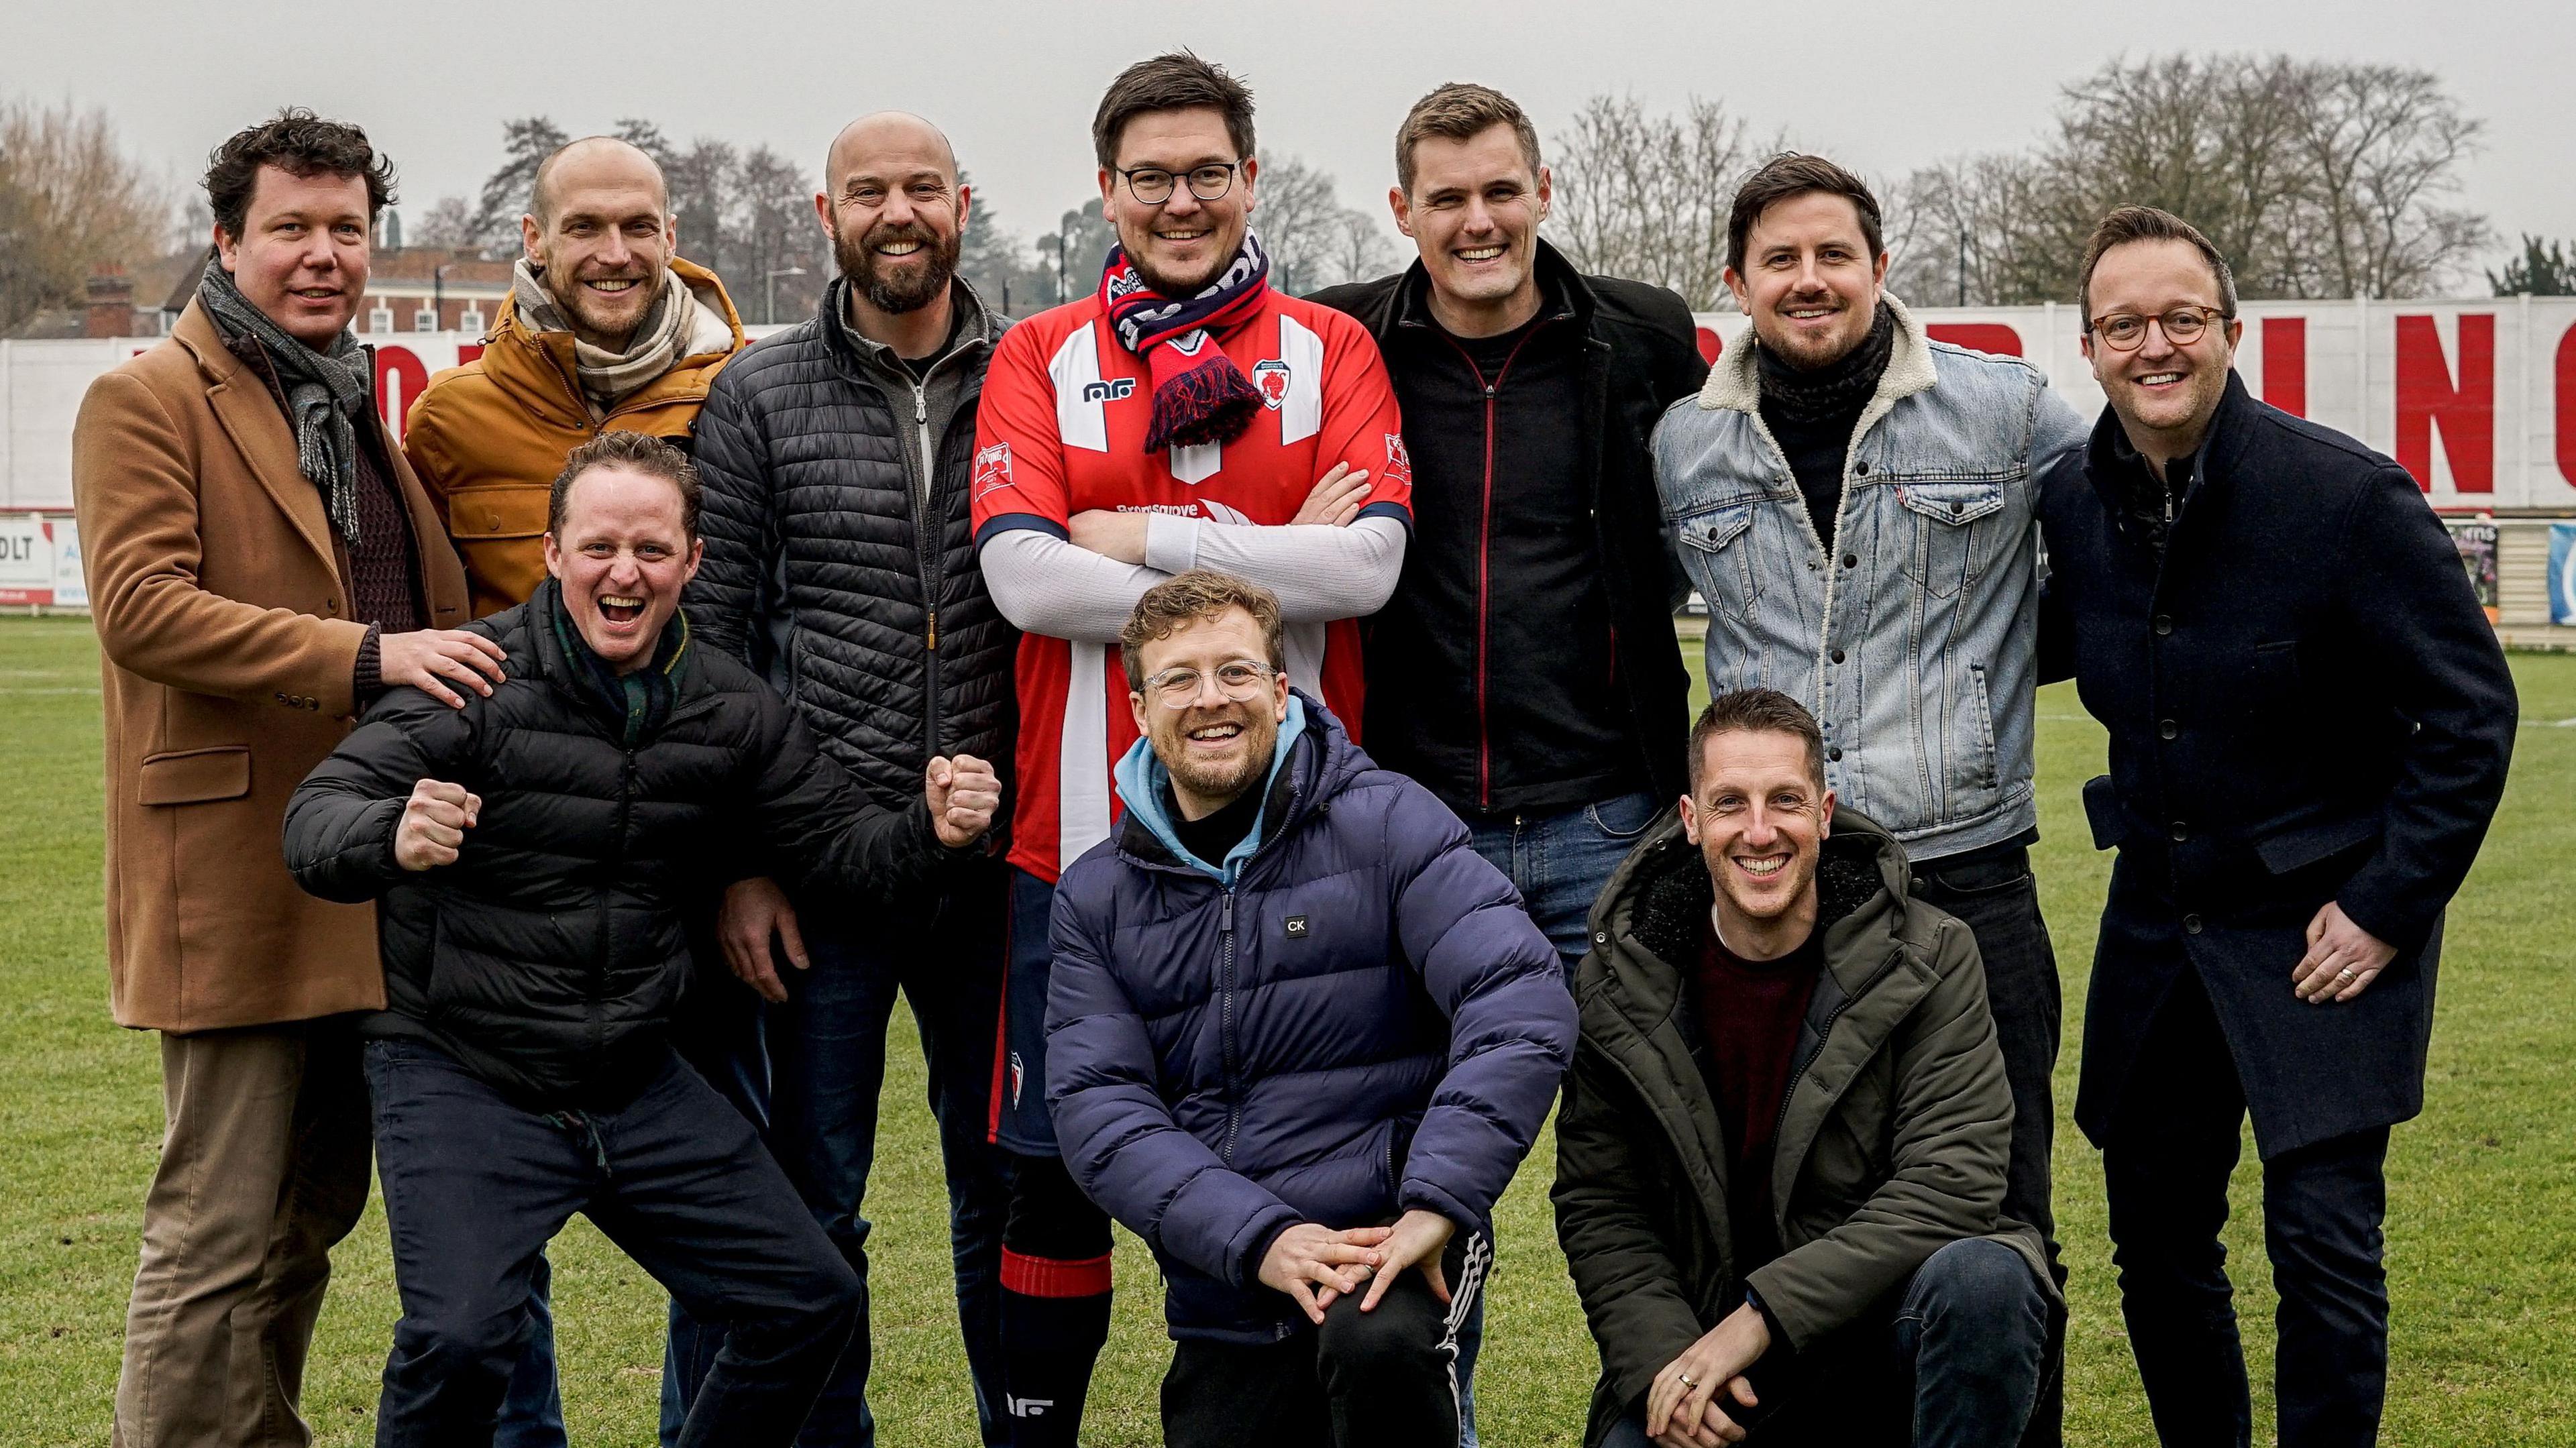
pixel 1885 85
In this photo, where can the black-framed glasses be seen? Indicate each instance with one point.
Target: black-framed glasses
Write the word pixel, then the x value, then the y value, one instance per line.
pixel 1152 185
pixel 1237 679
pixel 2127 331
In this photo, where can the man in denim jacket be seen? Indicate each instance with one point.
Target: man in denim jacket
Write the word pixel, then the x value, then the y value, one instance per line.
pixel 1854 502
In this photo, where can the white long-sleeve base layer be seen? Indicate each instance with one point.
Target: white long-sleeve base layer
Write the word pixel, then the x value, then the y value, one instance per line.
pixel 1046 585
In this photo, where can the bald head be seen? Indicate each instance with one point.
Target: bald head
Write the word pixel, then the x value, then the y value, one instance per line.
pixel 596 163
pixel 888 144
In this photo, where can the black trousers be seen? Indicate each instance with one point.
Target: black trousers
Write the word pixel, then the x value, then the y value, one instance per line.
pixel 1380 1379
pixel 1998 900
pixel 2167 1158
pixel 475 1184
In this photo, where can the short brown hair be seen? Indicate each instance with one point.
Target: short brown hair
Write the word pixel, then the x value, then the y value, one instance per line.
pixel 1793 173
pixel 636 452
pixel 1188 597
pixel 2145 223
pixel 1461 111
pixel 301 144
pixel 1176 81
pixel 1764 711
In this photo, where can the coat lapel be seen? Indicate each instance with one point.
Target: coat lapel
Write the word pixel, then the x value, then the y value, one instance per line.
pixel 257 426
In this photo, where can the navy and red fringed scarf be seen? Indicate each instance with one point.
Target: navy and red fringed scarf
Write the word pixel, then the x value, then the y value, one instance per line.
pixel 1200 396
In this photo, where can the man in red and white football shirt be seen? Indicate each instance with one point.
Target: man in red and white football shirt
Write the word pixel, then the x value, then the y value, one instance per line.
pixel 1184 416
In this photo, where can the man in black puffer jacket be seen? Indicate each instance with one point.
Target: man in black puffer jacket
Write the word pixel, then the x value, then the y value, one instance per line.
pixel 530 851
pixel 839 562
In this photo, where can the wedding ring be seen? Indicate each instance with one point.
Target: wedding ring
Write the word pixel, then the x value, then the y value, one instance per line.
pixel 1687 1382
pixel 2344 974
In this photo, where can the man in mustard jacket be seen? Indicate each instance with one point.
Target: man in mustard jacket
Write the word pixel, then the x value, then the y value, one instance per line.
pixel 605 330
pixel 262 564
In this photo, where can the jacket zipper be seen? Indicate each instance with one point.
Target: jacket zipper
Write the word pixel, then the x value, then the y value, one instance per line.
pixel 599 957
pixel 924 545
pixel 1225 1026
pixel 1485 559
pixel 1780 1209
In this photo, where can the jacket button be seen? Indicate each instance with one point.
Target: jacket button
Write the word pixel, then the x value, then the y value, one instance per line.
pixel 1861 468
pixel 2164 624
pixel 1851 560
pixel 1601 937
pixel 1836 656
pixel 2191 924
pixel 2180 834
pixel 1835 754
pixel 2167 729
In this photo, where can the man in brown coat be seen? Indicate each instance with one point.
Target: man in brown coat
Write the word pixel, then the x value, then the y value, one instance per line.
pixel 262 564
pixel 605 330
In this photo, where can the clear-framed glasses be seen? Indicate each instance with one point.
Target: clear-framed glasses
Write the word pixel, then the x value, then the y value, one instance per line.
pixel 1152 185
pixel 1238 680
pixel 2127 331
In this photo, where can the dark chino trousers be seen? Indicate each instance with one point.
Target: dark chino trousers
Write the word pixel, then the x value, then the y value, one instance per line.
pixel 475 1185
pixel 2166 1159
pixel 1998 900
pixel 811 1071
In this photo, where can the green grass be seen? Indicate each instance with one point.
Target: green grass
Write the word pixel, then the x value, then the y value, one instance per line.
pixel 2482 1219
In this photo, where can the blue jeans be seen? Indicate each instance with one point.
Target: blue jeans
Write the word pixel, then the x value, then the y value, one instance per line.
pixel 1957 1365
pixel 476 1184
pixel 825 1068
pixel 1559 863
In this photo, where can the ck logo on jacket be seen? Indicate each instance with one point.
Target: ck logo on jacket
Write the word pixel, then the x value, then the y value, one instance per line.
pixel 1296 927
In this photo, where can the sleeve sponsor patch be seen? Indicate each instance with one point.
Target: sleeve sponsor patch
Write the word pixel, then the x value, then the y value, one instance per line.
pixel 1399 464
pixel 992 468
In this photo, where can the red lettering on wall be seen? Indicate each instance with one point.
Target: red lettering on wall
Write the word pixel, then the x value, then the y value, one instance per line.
pixel 1710 345
pixel 2285 364
pixel 2427 398
pixel 400 379
pixel 1992 337
pixel 467 352
pixel 2566 409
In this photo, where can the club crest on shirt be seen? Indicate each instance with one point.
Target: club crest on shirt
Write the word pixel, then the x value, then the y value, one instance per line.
pixel 1399 463
pixel 992 468
pixel 1270 374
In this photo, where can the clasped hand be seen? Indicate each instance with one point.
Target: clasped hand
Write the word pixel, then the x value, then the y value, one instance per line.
pixel 1682 1405
pixel 1315 1264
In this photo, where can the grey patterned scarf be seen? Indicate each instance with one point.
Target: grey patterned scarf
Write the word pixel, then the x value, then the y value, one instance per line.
pixel 326 393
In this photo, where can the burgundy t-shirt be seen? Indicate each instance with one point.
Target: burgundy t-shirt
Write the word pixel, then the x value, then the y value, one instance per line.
pixel 1749 1012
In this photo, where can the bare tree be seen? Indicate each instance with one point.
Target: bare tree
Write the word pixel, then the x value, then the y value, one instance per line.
pixel 525 144
pixel 449 223
pixel 781 258
pixel 2315 179
pixel 1314 240
pixel 1647 196
pixel 70 200
pixel 701 179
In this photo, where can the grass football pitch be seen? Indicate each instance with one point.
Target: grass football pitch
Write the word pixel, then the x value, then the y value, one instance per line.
pixel 2482 1189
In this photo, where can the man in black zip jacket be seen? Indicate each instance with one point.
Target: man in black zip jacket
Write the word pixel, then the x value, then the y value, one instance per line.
pixel 531 851
pixel 839 562
pixel 1526 670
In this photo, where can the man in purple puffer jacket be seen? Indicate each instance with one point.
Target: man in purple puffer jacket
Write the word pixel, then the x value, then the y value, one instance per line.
pixel 1299 1036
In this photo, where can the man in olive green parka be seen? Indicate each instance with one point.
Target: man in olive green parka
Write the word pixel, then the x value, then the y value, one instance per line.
pixel 1781 1154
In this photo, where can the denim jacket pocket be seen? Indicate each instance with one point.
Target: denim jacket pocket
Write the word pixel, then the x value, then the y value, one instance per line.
pixel 1718 554
pixel 1952 533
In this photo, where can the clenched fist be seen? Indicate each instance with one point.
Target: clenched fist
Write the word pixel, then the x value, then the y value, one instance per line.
pixel 434 822
pixel 962 793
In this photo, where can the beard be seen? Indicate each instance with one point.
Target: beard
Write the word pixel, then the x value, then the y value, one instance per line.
pixel 1218 779
pixel 897 291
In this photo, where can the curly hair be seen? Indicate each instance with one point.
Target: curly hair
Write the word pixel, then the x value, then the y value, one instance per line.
pixel 1188 597
pixel 302 144
pixel 637 453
